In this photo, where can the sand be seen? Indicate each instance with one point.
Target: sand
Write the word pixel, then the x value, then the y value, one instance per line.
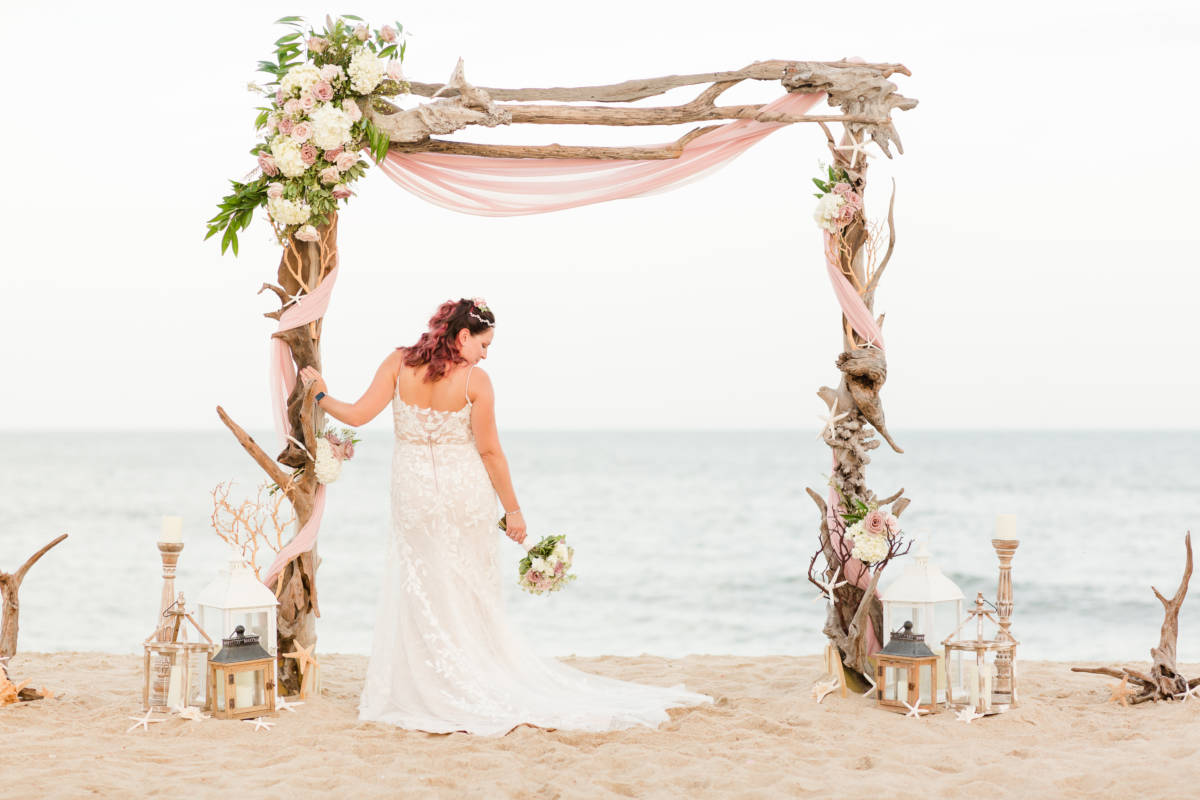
pixel 764 737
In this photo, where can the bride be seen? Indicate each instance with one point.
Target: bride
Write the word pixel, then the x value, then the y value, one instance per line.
pixel 444 656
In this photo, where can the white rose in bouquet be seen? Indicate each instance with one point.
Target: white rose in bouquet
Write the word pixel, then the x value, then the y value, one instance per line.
pixel 330 126
pixel 328 466
pixel 366 71
pixel 538 565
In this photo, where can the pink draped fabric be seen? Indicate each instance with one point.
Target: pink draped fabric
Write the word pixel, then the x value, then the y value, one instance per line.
pixel 501 187
pixel 282 375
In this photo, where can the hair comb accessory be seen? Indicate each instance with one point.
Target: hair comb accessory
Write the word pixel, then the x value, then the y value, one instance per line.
pixel 481 304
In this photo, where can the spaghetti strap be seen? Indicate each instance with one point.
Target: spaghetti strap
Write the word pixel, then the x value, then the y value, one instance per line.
pixel 467 388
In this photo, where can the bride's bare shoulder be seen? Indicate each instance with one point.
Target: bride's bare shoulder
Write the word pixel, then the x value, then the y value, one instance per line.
pixel 479 384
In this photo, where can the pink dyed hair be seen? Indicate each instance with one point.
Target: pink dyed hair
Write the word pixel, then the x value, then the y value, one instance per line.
pixel 438 346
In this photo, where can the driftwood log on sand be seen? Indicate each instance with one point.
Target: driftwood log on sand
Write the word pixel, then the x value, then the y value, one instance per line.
pixel 1163 681
pixel 10 585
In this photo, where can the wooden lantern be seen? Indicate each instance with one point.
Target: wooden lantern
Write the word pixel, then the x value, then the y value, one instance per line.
pixel 906 673
pixel 241 678
pixel 981 658
pixel 175 670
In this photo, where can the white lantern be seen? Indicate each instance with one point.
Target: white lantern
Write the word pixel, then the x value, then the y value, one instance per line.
pixel 934 604
pixel 236 597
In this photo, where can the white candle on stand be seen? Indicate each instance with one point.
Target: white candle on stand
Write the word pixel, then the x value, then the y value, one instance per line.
pixel 1006 526
pixel 172 530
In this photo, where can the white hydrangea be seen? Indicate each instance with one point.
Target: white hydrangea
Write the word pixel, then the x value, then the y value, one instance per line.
pixel 538 565
pixel 827 209
pixel 289 212
pixel 366 71
pixel 328 466
pixel 854 530
pixel 287 156
pixel 330 126
pixel 301 76
pixel 870 548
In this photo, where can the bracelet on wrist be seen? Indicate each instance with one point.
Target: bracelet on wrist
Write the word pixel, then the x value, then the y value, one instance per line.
pixel 514 511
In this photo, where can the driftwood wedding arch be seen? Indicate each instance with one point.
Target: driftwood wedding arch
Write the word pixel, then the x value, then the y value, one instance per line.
pixel 864 98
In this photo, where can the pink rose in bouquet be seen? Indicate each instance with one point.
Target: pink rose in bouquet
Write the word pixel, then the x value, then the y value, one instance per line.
pixel 845 215
pixel 302 132
pixel 875 523
pixel 330 73
pixel 292 108
pixel 286 125
pixel 322 91
pixel 266 163
pixel 274 190
pixel 330 175
pixel 307 101
pixel 317 45
pixel 346 160
pixel 308 234
pixel 342 191
pixel 893 524
pixel 308 153
pixel 353 112
pixel 362 32
pixel 331 155
pixel 387 33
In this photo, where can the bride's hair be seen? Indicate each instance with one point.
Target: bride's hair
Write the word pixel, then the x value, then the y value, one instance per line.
pixel 438 346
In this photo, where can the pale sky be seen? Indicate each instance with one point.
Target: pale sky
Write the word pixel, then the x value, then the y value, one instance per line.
pixel 1045 273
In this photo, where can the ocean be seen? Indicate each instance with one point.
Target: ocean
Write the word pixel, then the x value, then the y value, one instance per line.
pixel 686 542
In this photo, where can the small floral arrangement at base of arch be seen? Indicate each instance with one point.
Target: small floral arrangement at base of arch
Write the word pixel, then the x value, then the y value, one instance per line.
pixel 313 126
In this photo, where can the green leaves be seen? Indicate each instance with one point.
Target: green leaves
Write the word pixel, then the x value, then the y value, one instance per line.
pixel 378 141
pixel 236 211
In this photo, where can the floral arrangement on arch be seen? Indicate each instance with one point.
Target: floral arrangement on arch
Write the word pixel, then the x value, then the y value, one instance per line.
pixel 874 533
pixel 837 202
pixel 313 125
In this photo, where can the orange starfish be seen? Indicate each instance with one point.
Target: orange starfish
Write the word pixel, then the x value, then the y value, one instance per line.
pixel 1120 692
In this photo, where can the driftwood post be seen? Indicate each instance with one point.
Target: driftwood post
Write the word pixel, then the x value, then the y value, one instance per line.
pixel 10 585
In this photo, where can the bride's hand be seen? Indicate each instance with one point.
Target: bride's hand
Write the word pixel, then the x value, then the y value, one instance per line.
pixel 515 527
pixel 310 374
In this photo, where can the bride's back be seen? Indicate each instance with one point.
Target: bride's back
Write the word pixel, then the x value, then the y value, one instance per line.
pixel 448 393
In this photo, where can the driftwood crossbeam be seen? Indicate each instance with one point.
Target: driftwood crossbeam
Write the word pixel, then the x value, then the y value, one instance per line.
pixel 865 99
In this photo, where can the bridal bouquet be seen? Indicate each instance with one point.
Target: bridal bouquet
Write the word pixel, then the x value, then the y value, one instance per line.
pixel 544 567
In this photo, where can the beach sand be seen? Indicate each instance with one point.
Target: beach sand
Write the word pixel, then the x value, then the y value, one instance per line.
pixel 764 737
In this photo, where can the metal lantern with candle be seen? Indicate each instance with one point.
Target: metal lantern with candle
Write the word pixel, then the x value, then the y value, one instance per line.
pixel 176 671
pixel 236 597
pixel 981 657
pixel 934 604
pixel 241 678
pixel 906 673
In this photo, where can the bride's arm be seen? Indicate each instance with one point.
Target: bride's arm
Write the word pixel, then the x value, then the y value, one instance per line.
pixel 373 400
pixel 487 441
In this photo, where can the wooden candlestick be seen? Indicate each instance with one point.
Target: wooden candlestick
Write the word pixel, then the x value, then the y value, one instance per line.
pixel 1003 690
pixel 170 560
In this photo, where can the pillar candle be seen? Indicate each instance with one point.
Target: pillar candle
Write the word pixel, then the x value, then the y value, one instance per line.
pixel 1006 526
pixel 172 530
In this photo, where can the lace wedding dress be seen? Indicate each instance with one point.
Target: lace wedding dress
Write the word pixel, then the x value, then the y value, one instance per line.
pixel 444 657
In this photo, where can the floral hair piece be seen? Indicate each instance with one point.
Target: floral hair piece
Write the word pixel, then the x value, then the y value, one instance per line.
pixel 481 304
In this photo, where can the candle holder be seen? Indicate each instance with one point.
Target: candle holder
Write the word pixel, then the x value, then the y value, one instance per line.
pixel 169 552
pixel 1005 690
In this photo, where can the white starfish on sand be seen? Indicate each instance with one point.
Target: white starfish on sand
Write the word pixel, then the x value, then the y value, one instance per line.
pixel 827 587
pixel 915 711
pixel 822 689
pixel 260 723
pixel 967 714
pixel 284 705
pixel 142 722
pixel 856 146
pixel 873 685
pixel 1194 691
pixel 831 420
pixel 189 712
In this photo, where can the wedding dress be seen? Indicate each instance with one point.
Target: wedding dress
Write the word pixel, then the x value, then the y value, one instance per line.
pixel 444 656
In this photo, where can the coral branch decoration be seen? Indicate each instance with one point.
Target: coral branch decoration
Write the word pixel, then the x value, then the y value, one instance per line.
pixel 252 525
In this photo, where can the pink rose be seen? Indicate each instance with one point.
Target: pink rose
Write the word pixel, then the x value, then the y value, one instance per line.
pixel 346 160
pixel 274 190
pixel 317 44
pixel 341 191
pixel 842 188
pixel 854 199
pixel 286 126
pixel 395 71
pixel 348 449
pixel 845 215
pixel 330 175
pixel 875 523
pixel 308 153
pixel 893 524
pixel 333 439
pixel 322 91
pixel 352 110
pixel 307 102
pixel 302 131
pixel 292 107
pixel 279 97
pixel 387 33
pixel 331 72
pixel 308 233
pixel 266 163
pixel 331 155
pixel 362 32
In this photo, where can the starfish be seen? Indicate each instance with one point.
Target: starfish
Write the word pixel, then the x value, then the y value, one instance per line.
pixel 856 146
pixel 821 690
pixel 142 722
pixel 46 694
pixel 304 658
pixel 261 724
pixel 915 711
pixel 967 714
pixel 831 420
pixel 1193 691
pixel 292 298
pixel 189 712
pixel 1119 692
pixel 284 705
pixel 827 587
pixel 873 685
